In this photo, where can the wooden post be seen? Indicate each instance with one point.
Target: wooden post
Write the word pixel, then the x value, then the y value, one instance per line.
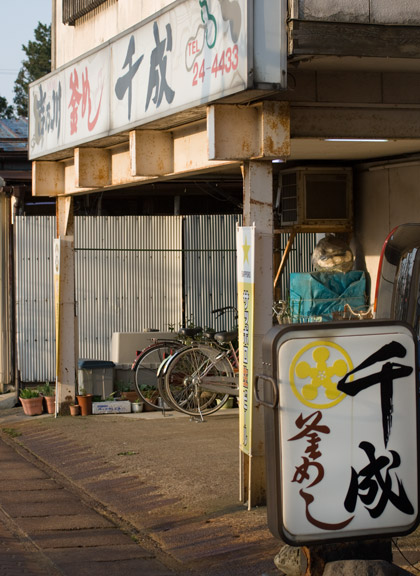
pixel 66 377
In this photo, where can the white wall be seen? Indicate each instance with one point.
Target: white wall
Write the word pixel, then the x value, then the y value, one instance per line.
pixel 385 196
pixel 115 16
pixel 100 25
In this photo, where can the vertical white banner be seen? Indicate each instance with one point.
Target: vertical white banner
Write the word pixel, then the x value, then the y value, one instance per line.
pixel 245 267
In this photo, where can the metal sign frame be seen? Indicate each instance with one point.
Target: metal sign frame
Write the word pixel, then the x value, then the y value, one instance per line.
pixel 341 417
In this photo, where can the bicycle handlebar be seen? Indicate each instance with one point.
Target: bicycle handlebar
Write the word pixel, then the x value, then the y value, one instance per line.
pixel 221 311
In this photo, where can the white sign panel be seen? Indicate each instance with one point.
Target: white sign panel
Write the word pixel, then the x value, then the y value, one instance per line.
pixel 71 105
pixel 189 55
pixel 195 52
pixel 348 431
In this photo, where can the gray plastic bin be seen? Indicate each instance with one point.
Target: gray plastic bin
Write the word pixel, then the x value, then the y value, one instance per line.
pixel 96 377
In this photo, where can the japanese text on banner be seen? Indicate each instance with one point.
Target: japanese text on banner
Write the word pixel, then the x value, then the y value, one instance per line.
pixel 245 265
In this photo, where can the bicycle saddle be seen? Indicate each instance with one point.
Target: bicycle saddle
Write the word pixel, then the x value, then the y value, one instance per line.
pixel 225 337
pixel 190 332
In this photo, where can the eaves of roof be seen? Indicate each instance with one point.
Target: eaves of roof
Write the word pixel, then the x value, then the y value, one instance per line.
pixel 13 134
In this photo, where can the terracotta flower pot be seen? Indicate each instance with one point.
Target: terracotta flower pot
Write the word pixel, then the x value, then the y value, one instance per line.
pixel 131 395
pixel 148 408
pixel 49 402
pixel 32 406
pixel 74 410
pixel 85 403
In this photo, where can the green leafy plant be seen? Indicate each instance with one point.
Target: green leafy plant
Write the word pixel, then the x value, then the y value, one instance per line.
pixel 46 389
pixel 149 392
pixel 122 386
pixel 29 393
pixel 12 432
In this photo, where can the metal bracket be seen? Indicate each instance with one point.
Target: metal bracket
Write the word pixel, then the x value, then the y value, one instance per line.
pixel 265 378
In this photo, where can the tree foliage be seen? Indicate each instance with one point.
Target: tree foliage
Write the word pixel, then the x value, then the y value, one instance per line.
pixel 36 64
pixel 6 109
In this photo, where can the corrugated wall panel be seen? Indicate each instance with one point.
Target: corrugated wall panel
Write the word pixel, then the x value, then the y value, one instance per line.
pixel 35 297
pixel 128 277
pixel 210 268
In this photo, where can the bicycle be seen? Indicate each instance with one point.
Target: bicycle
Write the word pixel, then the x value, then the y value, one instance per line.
pixel 149 360
pixel 200 378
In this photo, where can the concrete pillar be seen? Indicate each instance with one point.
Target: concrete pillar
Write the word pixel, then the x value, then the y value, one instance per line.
pixel 258 210
pixel 67 348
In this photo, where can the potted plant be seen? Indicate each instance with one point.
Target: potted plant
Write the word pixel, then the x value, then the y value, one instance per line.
pixel 150 395
pixel 74 410
pixel 85 402
pixel 137 405
pixel 31 401
pixel 126 392
pixel 48 393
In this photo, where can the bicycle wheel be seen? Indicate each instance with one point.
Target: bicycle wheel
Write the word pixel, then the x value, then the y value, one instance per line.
pixel 192 378
pixel 148 362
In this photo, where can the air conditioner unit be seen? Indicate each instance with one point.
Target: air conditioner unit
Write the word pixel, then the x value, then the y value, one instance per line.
pixel 315 199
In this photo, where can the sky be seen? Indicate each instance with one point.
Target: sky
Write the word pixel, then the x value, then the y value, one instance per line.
pixel 18 22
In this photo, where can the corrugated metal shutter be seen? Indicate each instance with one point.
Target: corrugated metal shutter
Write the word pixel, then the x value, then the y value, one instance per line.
pixel 132 273
pixel 210 268
pixel 128 277
pixel 35 297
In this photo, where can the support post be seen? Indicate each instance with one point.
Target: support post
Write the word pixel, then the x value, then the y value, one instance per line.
pixel 258 210
pixel 67 351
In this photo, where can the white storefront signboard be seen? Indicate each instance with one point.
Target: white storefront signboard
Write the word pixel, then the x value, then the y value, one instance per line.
pixel 194 52
pixel 344 433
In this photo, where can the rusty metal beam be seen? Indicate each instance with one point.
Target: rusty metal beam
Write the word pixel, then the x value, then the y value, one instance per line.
pixel 260 131
pixel 92 167
pixel 47 178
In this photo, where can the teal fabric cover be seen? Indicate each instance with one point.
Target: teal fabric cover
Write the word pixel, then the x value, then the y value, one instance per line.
pixel 319 294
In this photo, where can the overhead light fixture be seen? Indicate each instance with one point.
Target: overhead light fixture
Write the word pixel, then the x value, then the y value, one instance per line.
pixel 356 139
pixel 277 161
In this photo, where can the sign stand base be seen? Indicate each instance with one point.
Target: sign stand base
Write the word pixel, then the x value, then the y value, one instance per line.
pixel 318 556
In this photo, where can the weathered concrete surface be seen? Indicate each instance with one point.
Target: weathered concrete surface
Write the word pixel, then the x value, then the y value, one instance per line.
pixel 170 484
pixel 147 494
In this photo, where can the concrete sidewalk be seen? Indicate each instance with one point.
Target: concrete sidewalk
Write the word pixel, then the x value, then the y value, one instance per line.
pixel 138 493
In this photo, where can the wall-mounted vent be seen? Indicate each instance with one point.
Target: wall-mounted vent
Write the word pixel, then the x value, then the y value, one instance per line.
pixel 74 9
